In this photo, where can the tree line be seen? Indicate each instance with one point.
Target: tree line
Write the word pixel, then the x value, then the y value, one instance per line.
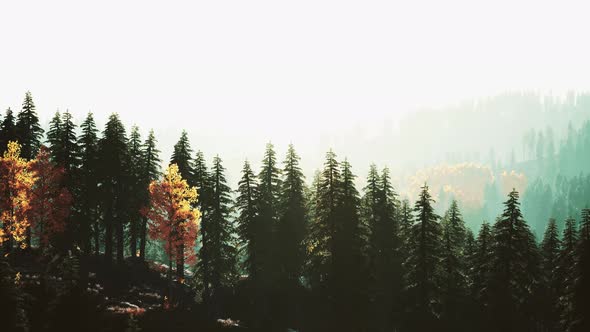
pixel 281 253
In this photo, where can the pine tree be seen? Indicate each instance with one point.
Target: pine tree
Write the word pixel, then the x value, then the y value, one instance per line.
pixel 385 245
pixel 347 279
pixel 87 186
pixel 480 274
pixel 136 186
pixel 423 265
pixel 454 281
pixel 218 252
pixel 567 272
pixel 28 129
pixel 113 178
pixel 151 171
pixel 54 135
pixel 181 156
pixel 514 269
pixel 68 155
pixel 7 130
pixel 550 284
pixel 582 284
pixel 247 219
pixel 291 228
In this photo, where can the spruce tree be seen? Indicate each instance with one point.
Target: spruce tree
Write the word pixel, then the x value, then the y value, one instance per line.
pixel 7 130
pixel 582 284
pixel 514 269
pixel 550 281
pixel 246 206
pixel 567 272
pixel 218 252
pixel 181 156
pixel 423 265
pixel 114 162
pixel 54 135
pixel 68 156
pixel 137 186
pixel 453 287
pixel 347 287
pixel 290 235
pixel 151 169
pixel 28 129
pixel 480 274
pixel 87 185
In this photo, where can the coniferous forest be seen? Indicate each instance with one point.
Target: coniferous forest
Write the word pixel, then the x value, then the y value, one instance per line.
pixel 102 232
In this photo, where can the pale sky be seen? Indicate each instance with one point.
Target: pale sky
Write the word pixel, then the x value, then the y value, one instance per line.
pixel 236 74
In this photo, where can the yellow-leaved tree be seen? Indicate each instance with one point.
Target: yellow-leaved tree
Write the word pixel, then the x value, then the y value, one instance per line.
pixel 16 181
pixel 173 220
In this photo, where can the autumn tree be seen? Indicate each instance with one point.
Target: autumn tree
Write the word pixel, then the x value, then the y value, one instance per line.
pixel 172 219
pixel 50 200
pixel 16 181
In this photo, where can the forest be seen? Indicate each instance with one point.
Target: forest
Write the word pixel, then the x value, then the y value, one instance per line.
pixel 100 232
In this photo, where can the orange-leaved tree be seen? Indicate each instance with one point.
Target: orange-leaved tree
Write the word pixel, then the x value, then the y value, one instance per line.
pixel 16 181
pixel 51 201
pixel 172 218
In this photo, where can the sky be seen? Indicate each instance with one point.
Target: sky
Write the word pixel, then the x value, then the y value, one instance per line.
pixel 237 74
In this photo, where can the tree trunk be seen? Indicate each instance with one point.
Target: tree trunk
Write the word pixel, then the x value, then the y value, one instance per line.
pixel 180 263
pixel 142 238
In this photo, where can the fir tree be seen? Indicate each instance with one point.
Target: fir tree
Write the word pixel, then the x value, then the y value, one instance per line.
pixel 582 284
pixel 181 156
pixel 549 295
pixel 113 178
pixel 87 185
pixel 137 187
pixel 567 272
pixel 54 135
pixel 218 253
pixel 514 269
pixel 453 269
pixel 424 264
pixel 7 130
pixel 151 170
pixel 28 129
pixel 480 273
pixel 247 218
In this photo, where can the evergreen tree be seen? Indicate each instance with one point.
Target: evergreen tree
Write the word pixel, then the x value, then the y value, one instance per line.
pixel 114 162
pixel 454 281
pixel 290 235
pixel 54 135
pixel 137 186
pixel 181 156
pixel 68 154
pixel 385 245
pixel 7 130
pixel 247 218
pixel 424 264
pixel 151 170
pixel 218 252
pixel 480 274
pixel 28 129
pixel 87 185
pixel 567 272
pixel 582 284
pixel 514 270
pixel 550 247
pixel 348 280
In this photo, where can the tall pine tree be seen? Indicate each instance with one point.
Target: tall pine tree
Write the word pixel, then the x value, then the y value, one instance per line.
pixel 28 129
pixel 151 169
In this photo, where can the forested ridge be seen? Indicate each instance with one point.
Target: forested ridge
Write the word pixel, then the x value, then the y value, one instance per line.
pixel 97 236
